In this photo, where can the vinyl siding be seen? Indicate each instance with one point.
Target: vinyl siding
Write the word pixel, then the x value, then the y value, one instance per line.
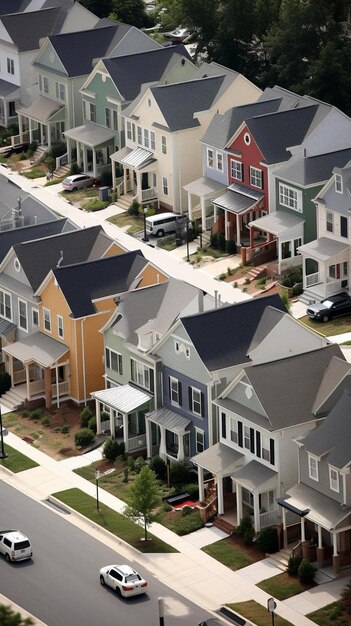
pixel 323 474
pixel 192 367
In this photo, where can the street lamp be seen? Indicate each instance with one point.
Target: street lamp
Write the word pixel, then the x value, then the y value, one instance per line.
pixel 161 611
pixel 145 238
pixel 97 476
pixel 3 454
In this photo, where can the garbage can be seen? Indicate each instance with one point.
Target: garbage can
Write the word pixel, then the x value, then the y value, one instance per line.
pixel 104 193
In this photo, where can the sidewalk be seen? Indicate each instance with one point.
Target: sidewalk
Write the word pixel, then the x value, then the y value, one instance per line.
pixel 190 572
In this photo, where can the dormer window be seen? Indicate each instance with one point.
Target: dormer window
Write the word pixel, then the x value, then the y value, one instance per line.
pixel 313 467
pixel 338 183
pixel 334 479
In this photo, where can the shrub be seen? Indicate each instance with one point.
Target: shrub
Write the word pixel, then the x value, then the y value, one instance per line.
pixel 267 540
pixel 235 284
pixel 106 178
pixel 285 298
pixel 188 523
pixel 297 289
pixel 346 598
pixel 134 208
pixel 95 205
pixel 306 571
pixel 34 415
pixel 58 150
pixel 214 242
pixel 221 241
pixel 230 246
pixel 33 146
pixel 131 463
pixel 159 467
pixel 295 276
pixel 84 437
pixel 111 449
pixel 193 491
pixel 23 156
pixel 248 536
pixel 245 524
pixel 51 163
pixel 85 416
pixel 262 281
pixel 74 169
pixel 138 464
pixel 222 276
pixel 167 507
pixel 294 564
pixel 46 421
pixel 230 271
pixel 65 429
pixel 186 510
pixel 5 382
pixel 247 280
pixel 104 416
pixel 179 474
pixel 92 424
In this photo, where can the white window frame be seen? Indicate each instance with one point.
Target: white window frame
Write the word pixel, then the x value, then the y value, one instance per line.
pixel 196 403
pixel 110 355
pixel 6 305
pixel 174 390
pixel 219 156
pixel 334 482
pixel 23 302
pixel 115 120
pixel 177 346
pixel 60 89
pixel 265 448
pixel 152 140
pixel 163 144
pixel 92 112
pixel 210 158
pixel 60 331
pixel 108 117
pixel 247 439
pixel 10 66
pixel 234 430
pixel 142 372
pixel 199 440
pixel 329 221
pixel 255 177
pixel 338 183
pixel 35 313
pixel 146 136
pixel 290 197
pixel 313 470
pixel 165 186
pixel 129 130
pixel 47 319
pixel 139 136
pixel 236 169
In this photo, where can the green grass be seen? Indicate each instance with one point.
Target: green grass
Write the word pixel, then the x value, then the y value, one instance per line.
pixel 229 554
pixel 38 171
pixel 337 326
pixel 258 614
pixel 116 523
pixel 16 461
pixel 95 204
pixel 283 586
pixel 167 243
pixel 331 615
pixel 181 524
pixel 135 223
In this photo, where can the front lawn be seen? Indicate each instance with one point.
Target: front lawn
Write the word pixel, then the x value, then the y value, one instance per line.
pixel 16 461
pixel 233 553
pixel 116 523
pixel 337 326
pixel 130 223
pixel 284 586
pixel 331 615
pixel 258 614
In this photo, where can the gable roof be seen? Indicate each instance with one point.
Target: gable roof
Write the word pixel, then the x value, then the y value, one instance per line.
pixel 339 202
pixel 38 257
pixel 130 71
pixel 222 337
pixel 101 278
pixel 13 6
pixel 11 237
pixel 314 169
pixel 27 28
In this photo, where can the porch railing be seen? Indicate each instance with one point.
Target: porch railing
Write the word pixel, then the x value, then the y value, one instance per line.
pixel 208 511
pixel 334 286
pixel 137 443
pixel 312 279
pixel 36 386
pixel 64 388
pixel 209 222
pixel 19 377
pixel 262 253
pixel 297 550
pixel 270 518
pixel 17 141
pixel 148 194
pixel 61 160
pixel 120 189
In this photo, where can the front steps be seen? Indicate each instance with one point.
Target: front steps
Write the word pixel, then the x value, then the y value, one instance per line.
pixel 62 171
pixel 12 399
pixel 38 154
pixel 124 202
pixel 220 523
pixel 280 559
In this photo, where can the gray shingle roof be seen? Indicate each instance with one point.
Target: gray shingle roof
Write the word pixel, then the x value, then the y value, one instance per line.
pixel 316 169
pixel 26 29
pixel 339 202
pixel 13 6
pixel 130 71
pixel 38 257
pixel 9 238
pixel 6 88
pixel 102 278
pixel 222 337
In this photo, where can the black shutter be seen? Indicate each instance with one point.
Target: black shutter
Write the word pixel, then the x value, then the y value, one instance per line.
pixel 169 389
pixel 202 405
pixel 190 397
pixel 224 425
pixel 240 434
pixel 180 392
pixel 252 440
pixel 152 381
pixel 262 179
pixel 242 172
pixel 258 444
pixel 271 449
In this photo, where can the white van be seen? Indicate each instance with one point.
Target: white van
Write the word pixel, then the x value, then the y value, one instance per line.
pixel 163 223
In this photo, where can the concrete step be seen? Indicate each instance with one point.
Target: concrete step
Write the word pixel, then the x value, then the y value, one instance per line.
pixel 12 400
pixel 280 559
pixel 62 171
pixel 256 272
pixel 124 202
pixel 38 154
pixel 220 523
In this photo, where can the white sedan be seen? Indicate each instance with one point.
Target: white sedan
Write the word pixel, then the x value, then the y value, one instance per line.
pixel 124 579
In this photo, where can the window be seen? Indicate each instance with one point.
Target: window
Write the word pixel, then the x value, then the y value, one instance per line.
pixel 175 391
pixel 60 326
pixel 210 160
pixel 247 497
pixel 165 185
pixel 297 244
pixel 60 91
pixel 47 319
pixel 146 138
pixel 343 226
pixel 199 440
pixel 177 346
pixel 140 135
pixel 142 375
pixel 113 361
pixel 286 249
pixel 247 437
pixel 152 140
pixel 115 122
pixel 338 183
pixel 224 425
pixel 256 177
pixel 236 169
pixel 43 84
pixel 195 401
pixel 130 130
pixel 334 479
pixel 220 161
pixel 247 139
pixel 291 198
pixel 22 315
pixel 10 66
pixel 330 221
pixel 35 317
pixel 265 448
pixel 233 427
pixel 313 467
pixel 92 115
pixel 108 118
pixel 164 144
pixel 5 305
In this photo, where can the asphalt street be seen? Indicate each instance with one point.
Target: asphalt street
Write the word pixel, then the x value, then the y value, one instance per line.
pixel 60 585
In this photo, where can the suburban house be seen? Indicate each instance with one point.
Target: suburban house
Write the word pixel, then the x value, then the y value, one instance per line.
pixel 20 33
pixel 112 85
pixel 255 461
pixel 63 64
pixel 132 373
pixel 162 151
pixel 319 503
pixel 22 271
pixel 326 260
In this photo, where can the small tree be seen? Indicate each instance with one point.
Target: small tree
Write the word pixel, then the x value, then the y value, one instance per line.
pixel 85 416
pixel 84 437
pixel 306 571
pixel 8 617
pixel 143 497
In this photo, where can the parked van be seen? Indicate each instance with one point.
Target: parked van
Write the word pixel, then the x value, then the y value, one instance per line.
pixel 163 223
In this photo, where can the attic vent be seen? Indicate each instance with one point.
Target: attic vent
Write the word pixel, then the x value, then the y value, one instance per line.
pixel 17 265
pixel 247 139
pixel 248 392
pixel 183 61
pixel 204 76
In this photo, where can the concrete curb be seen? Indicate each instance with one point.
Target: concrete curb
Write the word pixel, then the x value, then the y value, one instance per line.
pixel 23 612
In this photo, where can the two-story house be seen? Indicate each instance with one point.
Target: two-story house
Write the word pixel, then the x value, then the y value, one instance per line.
pixel 163 126
pixel 255 458
pixel 112 85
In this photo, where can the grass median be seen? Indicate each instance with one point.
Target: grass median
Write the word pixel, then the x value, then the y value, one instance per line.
pixel 16 461
pixel 114 522
pixel 258 614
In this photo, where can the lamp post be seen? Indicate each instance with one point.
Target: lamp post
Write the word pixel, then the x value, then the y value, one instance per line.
pixel 145 238
pixel 161 611
pixel 3 454
pixel 97 476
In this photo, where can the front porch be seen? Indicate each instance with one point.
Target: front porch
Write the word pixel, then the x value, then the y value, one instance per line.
pixel 91 147
pixel 43 121
pixel 9 101
pixel 201 193
pixel 325 268
pixel 167 435
pixel 139 174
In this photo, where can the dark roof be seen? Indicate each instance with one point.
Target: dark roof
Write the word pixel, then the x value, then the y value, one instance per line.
pixel 102 278
pixel 222 337
pixel 9 238
pixel 38 257
pixel 131 71
pixel 26 29
pixel 314 169
pixel 6 88
pixel 13 6
pixel 178 102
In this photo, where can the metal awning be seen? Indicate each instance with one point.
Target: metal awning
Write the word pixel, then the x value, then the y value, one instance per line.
pixel 137 158
pixel 218 459
pixel 324 511
pixel 118 156
pixel 41 109
pixel 254 475
pixel 238 199
pixel 323 249
pixel 37 348
pixel 169 420
pixel 6 328
pixel 204 186
pixel 90 134
pixel 278 223
pixel 124 399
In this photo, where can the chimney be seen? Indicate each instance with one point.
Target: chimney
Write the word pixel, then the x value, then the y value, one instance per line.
pixel 60 259
pixel 216 297
pixel 201 301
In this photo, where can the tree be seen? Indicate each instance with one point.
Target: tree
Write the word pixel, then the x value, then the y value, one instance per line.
pixel 101 8
pixel 8 617
pixel 129 12
pixel 143 497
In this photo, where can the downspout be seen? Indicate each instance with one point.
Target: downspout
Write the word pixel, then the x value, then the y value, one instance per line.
pixel 83 362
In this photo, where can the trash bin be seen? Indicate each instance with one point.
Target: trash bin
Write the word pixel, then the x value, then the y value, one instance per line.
pixel 104 193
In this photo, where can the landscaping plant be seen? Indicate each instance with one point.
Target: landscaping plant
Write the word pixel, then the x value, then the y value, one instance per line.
pixel 143 497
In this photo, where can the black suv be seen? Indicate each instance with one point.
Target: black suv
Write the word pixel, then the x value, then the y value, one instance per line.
pixel 334 306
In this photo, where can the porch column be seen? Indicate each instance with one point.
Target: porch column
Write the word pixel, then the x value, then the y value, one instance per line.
pixel 252 236
pixel 125 431
pixel 336 556
pixel 113 168
pixel 203 213
pixel 20 126
pixel 162 450
pixel 112 424
pixel 27 381
pixel 125 179
pixel 285 532
pixel 94 164
pixel 180 447
pixel 69 150
pixel 139 190
pixel 220 499
pixel 47 387
pixel 48 130
pixel 148 426
pixel 30 131
pixel 85 159
pixel 303 538
pixel 226 224
pixel 239 503
pixel 57 387
pixel 98 417
pixel 238 235
pixel 40 133
pixel 9 368
pixel 256 512
pixel 200 478
pixel 79 160
pixel 320 551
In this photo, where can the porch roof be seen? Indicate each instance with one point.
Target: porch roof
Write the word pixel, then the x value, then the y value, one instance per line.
pixel 38 347
pixel 169 420
pixel 322 510
pixel 6 328
pixel 124 399
pixel 218 459
pixel 204 186
pixel 90 134
pixel 254 475
pixel 278 223
pixel 42 109
pixel 323 249
pixel 8 89
pixel 134 158
pixel 238 199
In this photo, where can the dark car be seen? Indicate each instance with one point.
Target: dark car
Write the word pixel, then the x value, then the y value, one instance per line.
pixel 333 306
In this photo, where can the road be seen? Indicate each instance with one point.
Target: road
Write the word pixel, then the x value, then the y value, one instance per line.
pixel 61 586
